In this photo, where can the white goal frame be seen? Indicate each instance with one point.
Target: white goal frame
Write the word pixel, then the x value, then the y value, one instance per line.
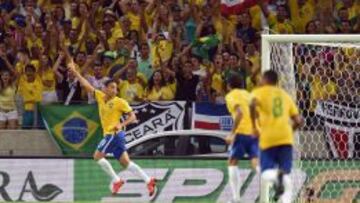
pixel 266 39
pixel 286 42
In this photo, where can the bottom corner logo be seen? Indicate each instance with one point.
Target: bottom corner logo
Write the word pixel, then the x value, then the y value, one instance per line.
pixel 46 192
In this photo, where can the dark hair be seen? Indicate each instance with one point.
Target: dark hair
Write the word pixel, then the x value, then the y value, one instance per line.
pixel 198 58
pixel 236 81
pixel 271 77
pixel 80 52
pixel 1 81
pixel 151 80
pixel 342 9
pixel 133 32
pixel 308 25
pixel 234 54
pixel 108 82
pixel 30 67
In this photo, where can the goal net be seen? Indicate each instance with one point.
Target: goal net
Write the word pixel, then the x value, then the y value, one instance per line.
pixel 322 74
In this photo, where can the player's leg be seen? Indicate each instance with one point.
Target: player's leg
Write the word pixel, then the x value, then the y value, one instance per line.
pixel 268 173
pixel 253 151
pixel 133 167
pixel 137 170
pixel 99 156
pixel 285 165
pixel 234 179
pixel 124 159
pixel 236 152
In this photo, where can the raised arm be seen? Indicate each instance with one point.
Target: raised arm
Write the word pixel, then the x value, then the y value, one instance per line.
pixel 9 66
pixel 56 66
pixel 88 87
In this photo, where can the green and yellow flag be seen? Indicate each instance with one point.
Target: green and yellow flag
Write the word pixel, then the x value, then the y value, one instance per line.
pixel 76 128
pixel 202 46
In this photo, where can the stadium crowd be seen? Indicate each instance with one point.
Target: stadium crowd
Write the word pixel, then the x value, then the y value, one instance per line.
pixel 155 49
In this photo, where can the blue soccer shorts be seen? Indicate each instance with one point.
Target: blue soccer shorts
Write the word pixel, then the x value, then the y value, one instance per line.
pixel 114 144
pixel 279 157
pixel 244 144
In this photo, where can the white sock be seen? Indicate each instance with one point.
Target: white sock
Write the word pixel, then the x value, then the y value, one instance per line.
pixel 234 180
pixel 257 169
pixel 287 196
pixel 134 168
pixel 268 178
pixel 106 166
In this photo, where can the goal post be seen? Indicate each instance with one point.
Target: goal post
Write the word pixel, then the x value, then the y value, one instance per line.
pixel 322 74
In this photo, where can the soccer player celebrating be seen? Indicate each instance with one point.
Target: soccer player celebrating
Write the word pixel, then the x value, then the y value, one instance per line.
pixel 272 108
pixel 111 108
pixel 242 139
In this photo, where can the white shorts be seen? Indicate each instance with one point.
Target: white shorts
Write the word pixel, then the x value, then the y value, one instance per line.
pixel 11 115
pixel 49 97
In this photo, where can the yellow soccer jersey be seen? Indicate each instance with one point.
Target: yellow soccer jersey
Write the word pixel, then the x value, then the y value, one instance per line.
pixel 153 95
pixel 168 93
pixel 275 108
pixel 135 20
pixel 30 91
pixel 129 92
pixel 217 83
pixel 240 98
pixel 111 111
pixel 165 51
pixel 48 76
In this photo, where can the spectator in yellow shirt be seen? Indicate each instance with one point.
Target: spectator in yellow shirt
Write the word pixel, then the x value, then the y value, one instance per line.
pixel 170 84
pixel 48 80
pixel 131 89
pixel 155 89
pixel 301 12
pixel 352 6
pixel 322 87
pixel 8 111
pixel 217 82
pixel 282 24
pixel 132 11
pixel 279 23
pixel 30 88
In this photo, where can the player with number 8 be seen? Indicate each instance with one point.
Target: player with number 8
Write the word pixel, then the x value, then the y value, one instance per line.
pixel 271 110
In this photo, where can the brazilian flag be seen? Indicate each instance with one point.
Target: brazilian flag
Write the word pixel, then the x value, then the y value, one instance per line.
pixel 203 46
pixel 76 128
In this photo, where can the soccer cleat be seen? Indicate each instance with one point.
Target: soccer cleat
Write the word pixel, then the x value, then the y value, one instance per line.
pixel 279 186
pixel 151 186
pixel 116 186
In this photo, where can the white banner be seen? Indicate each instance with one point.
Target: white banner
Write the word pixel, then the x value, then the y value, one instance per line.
pixel 341 128
pixel 36 180
pixel 156 117
pixel 334 111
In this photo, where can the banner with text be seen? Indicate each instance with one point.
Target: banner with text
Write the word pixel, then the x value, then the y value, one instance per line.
pixel 342 130
pixel 156 117
pixel 209 116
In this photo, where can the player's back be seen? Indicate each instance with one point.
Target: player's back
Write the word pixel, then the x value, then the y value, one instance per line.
pixel 241 98
pixel 275 108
